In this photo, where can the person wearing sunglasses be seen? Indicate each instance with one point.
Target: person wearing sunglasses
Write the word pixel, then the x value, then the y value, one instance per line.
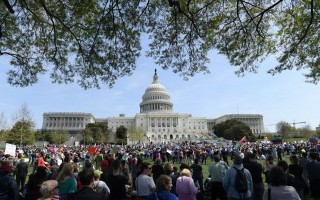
pixel 144 182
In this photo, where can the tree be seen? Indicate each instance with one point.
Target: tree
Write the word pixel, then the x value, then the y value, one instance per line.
pixel 3 135
pixel 135 134
pixel 24 125
pixel 23 114
pixel 56 137
pixel 283 128
pixel 121 134
pixel 317 133
pixel 53 137
pixel 99 41
pixel 21 133
pixel 39 136
pixel 99 133
pixel 305 131
pixel 233 130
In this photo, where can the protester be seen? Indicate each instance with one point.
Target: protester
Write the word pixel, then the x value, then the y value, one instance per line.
pixel 278 188
pixel 100 186
pixel 163 187
pixel 87 192
pixel 303 161
pixel 229 181
pixel 98 160
pixel 49 190
pixel 217 172
pixel 66 180
pixel 268 165
pixel 197 174
pixel 8 186
pixel 21 173
pixel 117 182
pixel 189 150
pixel 157 169
pixel 313 169
pixel 256 171
pixel 105 162
pixel 144 183
pixel 296 171
pixel 185 187
pixel 34 183
pixel 291 179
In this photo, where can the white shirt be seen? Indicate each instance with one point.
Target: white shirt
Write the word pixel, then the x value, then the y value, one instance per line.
pixel 144 185
pixel 101 187
pixel 281 193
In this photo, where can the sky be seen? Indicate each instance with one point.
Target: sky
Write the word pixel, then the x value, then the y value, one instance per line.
pixel 283 97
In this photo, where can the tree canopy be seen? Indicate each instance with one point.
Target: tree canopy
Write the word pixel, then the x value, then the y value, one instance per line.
pixel 135 134
pixel 53 137
pixel 233 130
pixel 96 133
pixel 94 42
pixel 21 133
pixel 121 134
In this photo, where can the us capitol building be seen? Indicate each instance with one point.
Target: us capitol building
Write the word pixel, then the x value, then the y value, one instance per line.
pixel 157 120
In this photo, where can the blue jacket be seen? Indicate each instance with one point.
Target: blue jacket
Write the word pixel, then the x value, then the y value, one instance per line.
pixel 229 182
pixel 162 195
pixel 8 186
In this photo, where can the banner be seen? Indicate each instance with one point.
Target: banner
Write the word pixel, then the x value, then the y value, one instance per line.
pixel 10 149
pixel 92 150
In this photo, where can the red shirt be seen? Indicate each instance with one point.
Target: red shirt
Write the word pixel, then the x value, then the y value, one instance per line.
pixel 41 162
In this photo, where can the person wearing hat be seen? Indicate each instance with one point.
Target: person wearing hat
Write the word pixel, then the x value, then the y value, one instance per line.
pixel 100 186
pixel 8 186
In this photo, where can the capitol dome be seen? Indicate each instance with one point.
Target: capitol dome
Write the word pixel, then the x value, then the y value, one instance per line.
pixel 156 98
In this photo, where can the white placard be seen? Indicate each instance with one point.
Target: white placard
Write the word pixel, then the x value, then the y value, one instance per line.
pixel 10 149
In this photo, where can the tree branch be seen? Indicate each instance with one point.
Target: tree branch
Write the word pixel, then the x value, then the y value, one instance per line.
pixel 144 9
pixel 9 7
pixel 308 27
pixel 68 28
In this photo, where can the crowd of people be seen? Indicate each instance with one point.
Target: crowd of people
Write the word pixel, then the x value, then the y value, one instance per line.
pixel 250 171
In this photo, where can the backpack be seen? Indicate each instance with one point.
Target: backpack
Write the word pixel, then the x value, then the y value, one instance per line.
pixel 240 183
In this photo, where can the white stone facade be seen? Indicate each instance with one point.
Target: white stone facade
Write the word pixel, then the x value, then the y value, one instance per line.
pixel 66 121
pixel 254 121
